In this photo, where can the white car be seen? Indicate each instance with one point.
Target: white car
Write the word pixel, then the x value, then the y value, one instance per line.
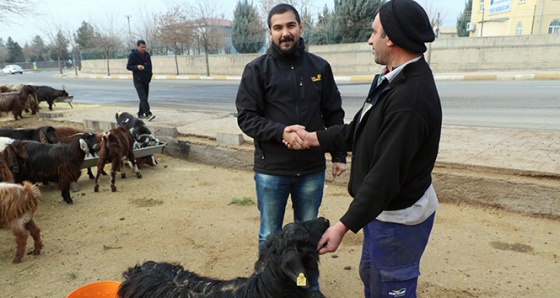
pixel 12 69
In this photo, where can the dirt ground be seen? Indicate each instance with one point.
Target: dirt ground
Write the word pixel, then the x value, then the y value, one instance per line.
pixel 183 212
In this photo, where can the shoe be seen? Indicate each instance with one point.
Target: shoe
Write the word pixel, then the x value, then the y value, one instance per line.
pixel 151 117
pixel 141 117
pixel 317 294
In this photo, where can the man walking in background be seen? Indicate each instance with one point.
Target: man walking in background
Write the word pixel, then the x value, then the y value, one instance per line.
pixel 140 63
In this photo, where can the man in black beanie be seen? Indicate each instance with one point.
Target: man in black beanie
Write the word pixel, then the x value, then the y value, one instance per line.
pixel 394 141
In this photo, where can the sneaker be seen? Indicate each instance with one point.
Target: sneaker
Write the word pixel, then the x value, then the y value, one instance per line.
pixel 317 294
pixel 141 117
pixel 151 117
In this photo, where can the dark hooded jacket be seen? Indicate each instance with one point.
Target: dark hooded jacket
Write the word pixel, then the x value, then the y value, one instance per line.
pixel 278 90
pixel 135 59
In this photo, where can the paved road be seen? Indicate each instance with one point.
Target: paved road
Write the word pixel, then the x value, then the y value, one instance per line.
pixel 529 104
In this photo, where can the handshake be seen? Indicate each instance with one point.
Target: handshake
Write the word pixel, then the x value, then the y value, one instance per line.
pixel 297 138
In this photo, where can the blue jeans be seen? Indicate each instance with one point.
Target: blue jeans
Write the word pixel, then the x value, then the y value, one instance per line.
pixel 391 253
pixel 272 196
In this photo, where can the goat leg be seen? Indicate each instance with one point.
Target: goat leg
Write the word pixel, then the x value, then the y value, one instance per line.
pixel 96 187
pixel 132 160
pixel 36 234
pixel 90 174
pixel 66 196
pixel 21 241
pixel 113 186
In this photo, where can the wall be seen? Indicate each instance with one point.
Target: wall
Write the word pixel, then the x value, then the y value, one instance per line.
pixel 507 53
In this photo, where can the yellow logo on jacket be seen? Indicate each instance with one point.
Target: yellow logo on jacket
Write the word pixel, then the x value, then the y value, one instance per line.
pixel 316 78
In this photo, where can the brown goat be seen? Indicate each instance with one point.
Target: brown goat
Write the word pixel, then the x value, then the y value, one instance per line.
pixel 18 204
pixel 16 101
pixel 115 145
pixel 13 157
pixel 66 135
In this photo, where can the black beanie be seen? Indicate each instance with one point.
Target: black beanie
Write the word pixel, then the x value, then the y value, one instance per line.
pixel 407 24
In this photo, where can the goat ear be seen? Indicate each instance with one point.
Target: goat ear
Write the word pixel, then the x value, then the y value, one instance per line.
pixel 293 268
pixel 84 146
pixel 43 136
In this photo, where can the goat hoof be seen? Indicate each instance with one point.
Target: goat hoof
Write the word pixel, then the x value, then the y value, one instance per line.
pixel 123 175
pixel 138 175
pixel 16 260
pixel 113 188
pixel 91 177
pixel 96 188
pixel 69 202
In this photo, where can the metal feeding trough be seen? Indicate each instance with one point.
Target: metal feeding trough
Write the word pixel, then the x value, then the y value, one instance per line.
pixel 67 99
pixel 90 161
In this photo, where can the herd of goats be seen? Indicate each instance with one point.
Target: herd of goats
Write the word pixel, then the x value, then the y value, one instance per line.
pixel 56 154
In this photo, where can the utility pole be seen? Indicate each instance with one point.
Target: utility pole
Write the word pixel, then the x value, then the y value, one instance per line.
pixel 129 35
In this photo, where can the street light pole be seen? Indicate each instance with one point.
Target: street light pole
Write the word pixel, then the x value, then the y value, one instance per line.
pixel 129 35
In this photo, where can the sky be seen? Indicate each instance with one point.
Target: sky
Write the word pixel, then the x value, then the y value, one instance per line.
pixel 50 15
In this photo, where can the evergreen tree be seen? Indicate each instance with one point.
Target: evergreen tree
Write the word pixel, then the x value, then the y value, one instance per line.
pixel 247 30
pixel 354 18
pixel 463 19
pixel 15 52
pixel 85 36
pixel 325 31
pixel 37 50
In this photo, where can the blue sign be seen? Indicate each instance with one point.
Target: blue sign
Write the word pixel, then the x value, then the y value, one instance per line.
pixel 499 6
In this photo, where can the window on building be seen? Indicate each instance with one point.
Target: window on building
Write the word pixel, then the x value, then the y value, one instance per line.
pixel 481 6
pixel 519 28
pixel 521 1
pixel 554 27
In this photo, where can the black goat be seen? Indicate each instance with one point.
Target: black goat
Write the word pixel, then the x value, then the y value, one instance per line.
pixel 49 94
pixel 141 133
pixel 61 163
pixel 43 134
pixel 283 269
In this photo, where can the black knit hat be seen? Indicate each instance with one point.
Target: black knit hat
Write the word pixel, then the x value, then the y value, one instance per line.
pixel 407 24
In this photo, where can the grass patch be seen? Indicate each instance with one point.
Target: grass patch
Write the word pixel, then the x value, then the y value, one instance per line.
pixel 245 201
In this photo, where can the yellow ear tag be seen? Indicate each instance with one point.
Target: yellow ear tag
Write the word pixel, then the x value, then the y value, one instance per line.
pixel 301 280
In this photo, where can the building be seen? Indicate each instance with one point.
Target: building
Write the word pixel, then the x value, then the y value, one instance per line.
pixel 514 17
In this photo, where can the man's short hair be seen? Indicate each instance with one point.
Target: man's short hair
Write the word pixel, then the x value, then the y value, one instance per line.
pixel 280 9
pixel 140 41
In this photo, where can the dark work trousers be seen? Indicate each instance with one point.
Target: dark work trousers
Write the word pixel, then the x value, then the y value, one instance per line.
pixel 143 89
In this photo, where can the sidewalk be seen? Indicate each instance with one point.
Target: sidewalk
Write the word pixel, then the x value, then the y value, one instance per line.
pixel 510 151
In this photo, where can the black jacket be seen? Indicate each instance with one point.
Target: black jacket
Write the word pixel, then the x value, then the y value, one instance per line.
pixel 278 90
pixel 394 147
pixel 135 59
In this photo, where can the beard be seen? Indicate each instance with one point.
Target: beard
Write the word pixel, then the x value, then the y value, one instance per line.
pixel 291 50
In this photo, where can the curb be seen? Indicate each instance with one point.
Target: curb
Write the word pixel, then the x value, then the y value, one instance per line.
pixel 351 79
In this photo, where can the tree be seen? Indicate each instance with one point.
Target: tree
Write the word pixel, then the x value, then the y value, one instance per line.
pixel 15 52
pixel 17 7
pixel 325 30
pixel 59 49
pixel 85 37
pixel 3 50
pixel 463 19
pixel 247 30
pixel 354 18
pixel 175 31
pixel 209 34
pixel 37 50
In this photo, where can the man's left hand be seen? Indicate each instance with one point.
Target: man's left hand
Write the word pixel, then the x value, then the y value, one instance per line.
pixel 338 168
